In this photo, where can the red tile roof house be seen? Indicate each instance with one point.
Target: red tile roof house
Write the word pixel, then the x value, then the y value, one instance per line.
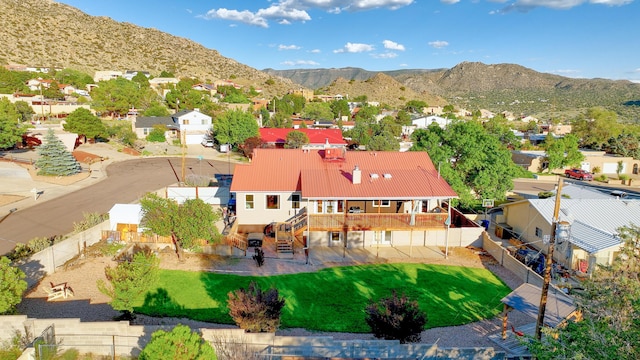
pixel 318 138
pixel 355 199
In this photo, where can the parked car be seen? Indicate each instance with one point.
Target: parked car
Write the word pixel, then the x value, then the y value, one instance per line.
pixel 578 174
pixel 207 143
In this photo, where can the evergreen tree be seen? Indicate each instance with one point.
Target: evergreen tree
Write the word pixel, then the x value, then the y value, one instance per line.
pixel 55 159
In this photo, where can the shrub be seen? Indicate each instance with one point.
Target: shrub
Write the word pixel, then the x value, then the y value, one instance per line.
pixel 179 343
pixel 602 178
pixel 255 310
pixel 197 180
pixel 623 177
pixel 545 194
pixel 396 318
pixel 90 220
pixel 157 134
pixel 596 169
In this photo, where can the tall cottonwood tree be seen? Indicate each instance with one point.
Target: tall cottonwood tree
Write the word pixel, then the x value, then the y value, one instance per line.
pixel 11 129
pixel 474 163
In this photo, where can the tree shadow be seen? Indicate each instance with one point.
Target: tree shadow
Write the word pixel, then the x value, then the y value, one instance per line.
pixel 160 303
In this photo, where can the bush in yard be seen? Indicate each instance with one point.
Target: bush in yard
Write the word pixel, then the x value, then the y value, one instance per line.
pixel 396 318
pixel 255 310
pixel 180 343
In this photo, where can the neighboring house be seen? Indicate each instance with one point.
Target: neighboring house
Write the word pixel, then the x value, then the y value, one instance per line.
pixel 318 138
pixel 569 191
pixel 529 118
pixel 534 160
pixel 425 121
pixel 347 199
pixel 130 74
pixel 486 114
pixel 594 225
pixel 106 75
pixel 559 129
pixel 190 126
pixel 435 110
pixel 158 83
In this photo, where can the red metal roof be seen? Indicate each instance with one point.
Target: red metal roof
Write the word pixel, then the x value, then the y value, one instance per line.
pixel 399 175
pixel 316 136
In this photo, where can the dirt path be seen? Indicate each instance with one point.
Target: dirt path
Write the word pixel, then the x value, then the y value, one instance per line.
pixel 89 304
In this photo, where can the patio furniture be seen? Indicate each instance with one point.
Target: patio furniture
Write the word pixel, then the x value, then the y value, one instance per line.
pixel 61 290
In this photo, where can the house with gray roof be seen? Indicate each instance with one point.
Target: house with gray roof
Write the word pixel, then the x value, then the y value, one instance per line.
pixel 190 126
pixel 594 227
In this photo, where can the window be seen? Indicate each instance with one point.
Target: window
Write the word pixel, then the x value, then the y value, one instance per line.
pixel 248 201
pixel 273 202
pixel 538 232
pixel 295 201
pixel 319 209
pixel 383 237
pixel 336 236
pixel 381 203
pixel 425 206
pixel 340 206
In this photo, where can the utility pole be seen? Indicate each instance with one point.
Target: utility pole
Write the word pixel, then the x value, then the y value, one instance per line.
pixel 548 263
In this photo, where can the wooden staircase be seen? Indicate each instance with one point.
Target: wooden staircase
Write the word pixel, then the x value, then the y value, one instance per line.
pixel 286 233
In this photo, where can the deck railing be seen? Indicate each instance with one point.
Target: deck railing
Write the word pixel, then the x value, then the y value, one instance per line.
pixel 341 222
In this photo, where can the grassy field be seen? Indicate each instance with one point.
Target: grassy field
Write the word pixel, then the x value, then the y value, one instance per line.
pixel 334 299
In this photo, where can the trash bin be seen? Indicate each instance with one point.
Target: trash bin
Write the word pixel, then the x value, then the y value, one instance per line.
pixel 485 224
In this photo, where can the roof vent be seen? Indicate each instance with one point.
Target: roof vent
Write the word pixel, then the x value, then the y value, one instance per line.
pixel 374 176
pixel 387 176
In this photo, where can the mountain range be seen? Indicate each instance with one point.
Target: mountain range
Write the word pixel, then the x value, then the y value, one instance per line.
pixel 65 37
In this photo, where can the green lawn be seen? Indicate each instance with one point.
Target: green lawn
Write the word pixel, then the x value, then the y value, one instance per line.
pixel 334 299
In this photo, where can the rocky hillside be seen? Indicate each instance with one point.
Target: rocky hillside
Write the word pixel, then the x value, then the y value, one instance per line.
pixel 499 87
pixel 381 88
pixel 64 36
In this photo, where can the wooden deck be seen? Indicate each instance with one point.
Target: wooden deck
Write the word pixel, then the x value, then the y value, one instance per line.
pixel 355 222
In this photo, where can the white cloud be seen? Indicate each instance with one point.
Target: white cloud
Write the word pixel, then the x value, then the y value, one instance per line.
pixel 438 44
pixel 636 70
pixel 386 55
pixel 355 48
pixel 350 5
pixel 403 65
pixel 391 45
pixel 315 51
pixel 285 12
pixel 449 2
pixel 288 47
pixel 245 16
pixel 527 5
pixel 300 63
pixel 566 72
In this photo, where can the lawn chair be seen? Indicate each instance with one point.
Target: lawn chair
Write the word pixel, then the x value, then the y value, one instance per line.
pixel 61 290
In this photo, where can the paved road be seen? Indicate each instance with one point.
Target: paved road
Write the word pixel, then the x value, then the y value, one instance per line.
pixel 126 181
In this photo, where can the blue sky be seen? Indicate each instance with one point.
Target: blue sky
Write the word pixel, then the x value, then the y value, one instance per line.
pixel 574 38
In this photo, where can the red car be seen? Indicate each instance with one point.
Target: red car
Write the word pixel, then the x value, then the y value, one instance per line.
pixel 578 174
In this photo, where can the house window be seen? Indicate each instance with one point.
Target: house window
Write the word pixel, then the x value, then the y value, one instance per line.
pixel 185 122
pixel 146 131
pixel 538 232
pixel 340 206
pixel 295 201
pixel 330 207
pixel 381 203
pixel 248 201
pixel 383 237
pixel 273 202
pixel 335 236
pixel 425 206
pixel 319 209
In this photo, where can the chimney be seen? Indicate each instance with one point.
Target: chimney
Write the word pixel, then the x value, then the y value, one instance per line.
pixel 326 143
pixel 356 177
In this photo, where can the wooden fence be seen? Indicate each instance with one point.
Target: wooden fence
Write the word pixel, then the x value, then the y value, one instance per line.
pixel 135 237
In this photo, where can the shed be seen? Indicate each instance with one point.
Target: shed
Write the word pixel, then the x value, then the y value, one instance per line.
pixel 125 217
pixel 526 298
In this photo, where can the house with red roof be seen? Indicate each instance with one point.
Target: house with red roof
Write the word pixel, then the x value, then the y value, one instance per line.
pixel 318 138
pixel 334 197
